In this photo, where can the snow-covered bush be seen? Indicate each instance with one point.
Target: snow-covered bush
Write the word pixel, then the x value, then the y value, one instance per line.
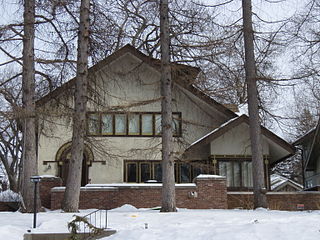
pixel 9 196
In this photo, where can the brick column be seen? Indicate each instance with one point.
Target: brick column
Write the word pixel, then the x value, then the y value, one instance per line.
pixel 45 189
pixel 212 191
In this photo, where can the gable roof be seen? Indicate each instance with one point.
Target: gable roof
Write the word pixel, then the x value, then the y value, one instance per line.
pixel 314 151
pixel 217 132
pixel 277 182
pixel 183 75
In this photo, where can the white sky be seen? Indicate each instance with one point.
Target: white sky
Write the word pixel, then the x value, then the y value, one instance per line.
pixel 272 10
pixel 8 11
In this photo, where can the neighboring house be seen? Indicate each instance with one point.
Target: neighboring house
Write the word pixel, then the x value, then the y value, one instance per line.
pixel 281 184
pixel 123 141
pixel 310 145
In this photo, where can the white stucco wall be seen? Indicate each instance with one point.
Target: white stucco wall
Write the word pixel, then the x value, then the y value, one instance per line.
pixel 236 142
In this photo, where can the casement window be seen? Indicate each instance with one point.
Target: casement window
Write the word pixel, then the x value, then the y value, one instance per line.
pixel 238 173
pixel 93 124
pixel 158 124
pixel 120 124
pixel 106 124
pixel 142 171
pixel 129 124
pixel 131 172
pixel 147 124
pixel 185 173
pixel 134 124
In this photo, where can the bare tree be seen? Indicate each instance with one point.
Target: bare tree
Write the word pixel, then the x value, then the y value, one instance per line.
pixel 72 193
pixel 168 181
pixel 255 129
pixel 10 133
pixel 30 166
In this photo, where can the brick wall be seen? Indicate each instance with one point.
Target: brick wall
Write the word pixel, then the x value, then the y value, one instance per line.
pixel 207 192
pixel 9 206
pixel 45 186
pixel 277 200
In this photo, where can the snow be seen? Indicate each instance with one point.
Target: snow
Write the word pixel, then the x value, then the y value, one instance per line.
pixel 243 109
pixel 9 196
pixel 48 176
pixel 209 176
pixel 125 185
pixel 131 223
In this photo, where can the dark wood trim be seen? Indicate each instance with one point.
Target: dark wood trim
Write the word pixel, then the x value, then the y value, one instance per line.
pixel 153 114
pixel 177 169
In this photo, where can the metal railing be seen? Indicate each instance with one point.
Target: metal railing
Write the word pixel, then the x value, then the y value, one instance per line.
pixel 93 223
pixel 313 181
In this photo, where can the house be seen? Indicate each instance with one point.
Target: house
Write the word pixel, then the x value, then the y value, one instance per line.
pixel 281 184
pixel 123 143
pixel 310 146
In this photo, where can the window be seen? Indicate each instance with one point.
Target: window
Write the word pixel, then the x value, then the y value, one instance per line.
pixel 142 171
pixel 134 125
pixel 158 127
pixel 120 124
pixel 145 171
pixel 147 123
pixel 247 180
pixel 237 172
pixel 93 123
pixel 106 124
pixel 185 174
pixel 131 170
pixel 157 171
pixel 129 124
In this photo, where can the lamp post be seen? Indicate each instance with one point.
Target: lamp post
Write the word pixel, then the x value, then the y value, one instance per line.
pixel 35 180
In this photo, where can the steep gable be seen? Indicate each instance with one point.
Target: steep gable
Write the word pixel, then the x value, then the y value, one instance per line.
pixel 183 75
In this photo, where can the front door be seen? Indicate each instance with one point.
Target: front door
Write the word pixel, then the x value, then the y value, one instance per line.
pixel 64 168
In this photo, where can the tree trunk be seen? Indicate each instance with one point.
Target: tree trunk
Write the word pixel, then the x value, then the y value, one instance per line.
pixel 168 181
pixel 72 193
pixel 30 166
pixel 255 129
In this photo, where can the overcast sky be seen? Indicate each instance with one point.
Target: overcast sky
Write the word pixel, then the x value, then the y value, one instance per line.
pixel 271 10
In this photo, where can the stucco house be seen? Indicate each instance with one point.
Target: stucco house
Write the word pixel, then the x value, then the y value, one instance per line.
pixel 123 143
pixel 310 145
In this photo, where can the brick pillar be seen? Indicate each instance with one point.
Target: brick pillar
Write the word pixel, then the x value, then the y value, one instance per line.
pixel 212 191
pixel 45 189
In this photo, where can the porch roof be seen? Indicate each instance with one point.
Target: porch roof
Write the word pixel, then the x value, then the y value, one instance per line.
pixel 276 143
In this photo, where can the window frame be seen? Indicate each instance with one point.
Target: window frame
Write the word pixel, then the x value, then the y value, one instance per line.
pixel 153 163
pixel 112 125
pixel 88 122
pixel 127 133
pixel 240 161
pixel 126 170
pixel 126 127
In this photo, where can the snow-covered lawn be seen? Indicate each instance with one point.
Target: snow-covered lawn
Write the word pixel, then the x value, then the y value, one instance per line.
pixel 130 224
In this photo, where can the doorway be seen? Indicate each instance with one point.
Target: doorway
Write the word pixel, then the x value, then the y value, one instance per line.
pixel 64 167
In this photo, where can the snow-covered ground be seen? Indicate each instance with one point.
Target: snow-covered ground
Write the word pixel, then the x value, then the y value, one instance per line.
pixel 130 224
